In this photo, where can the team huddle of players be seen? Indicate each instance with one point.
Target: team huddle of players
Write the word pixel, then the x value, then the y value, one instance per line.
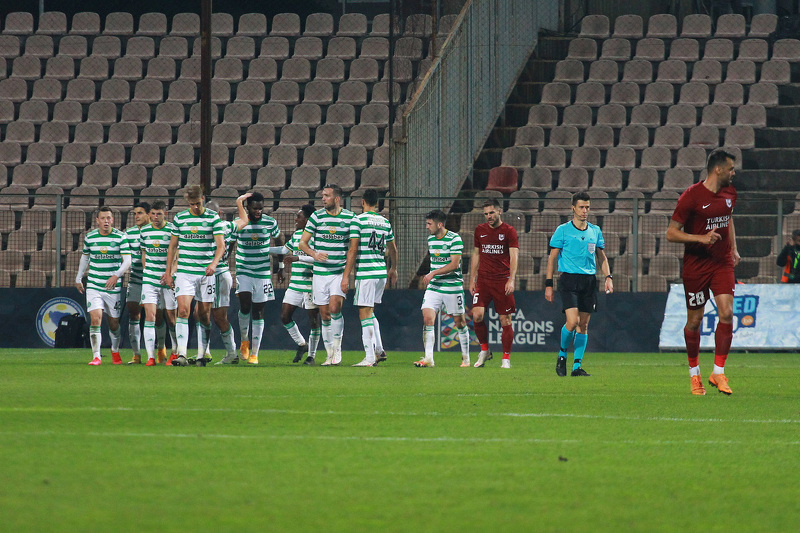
pixel 175 264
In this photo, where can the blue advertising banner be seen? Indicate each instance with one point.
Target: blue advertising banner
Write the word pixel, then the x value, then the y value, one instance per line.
pixel 624 322
pixel 764 316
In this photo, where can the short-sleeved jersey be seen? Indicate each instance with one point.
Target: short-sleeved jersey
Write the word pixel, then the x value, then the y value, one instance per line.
pixel 494 245
pixel 331 235
pixel 373 231
pixel 441 251
pixel 301 278
pixel 155 243
pixel 105 257
pixel 578 247
pixel 132 235
pixel 230 235
pixel 699 211
pixel 252 251
pixel 196 240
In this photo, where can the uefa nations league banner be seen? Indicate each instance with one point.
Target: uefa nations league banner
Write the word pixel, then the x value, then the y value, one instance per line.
pixel 764 317
pixel 624 322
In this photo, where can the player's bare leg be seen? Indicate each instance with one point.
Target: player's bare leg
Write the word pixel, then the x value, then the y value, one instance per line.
pixel 482 332
pixel 428 337
pixel 367 336
pixel 691 333
pixel 134 331
pixel 722 342
pixel 507 339
pixel 337 326
pixel 245 306
pixel 463 337
pixel 581 338
pixel 327 341
pixel 96 335
pixel 568 332
pixel 287 312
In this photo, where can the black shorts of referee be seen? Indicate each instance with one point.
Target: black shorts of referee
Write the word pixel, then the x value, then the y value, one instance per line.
pixel 578 290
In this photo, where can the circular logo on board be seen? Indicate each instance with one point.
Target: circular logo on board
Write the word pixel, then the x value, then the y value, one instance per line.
pixel 50 313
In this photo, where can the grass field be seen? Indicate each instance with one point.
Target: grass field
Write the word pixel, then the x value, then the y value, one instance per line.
pixel 281 447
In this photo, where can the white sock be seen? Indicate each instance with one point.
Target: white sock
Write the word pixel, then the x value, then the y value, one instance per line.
pixel 203 338
pixel 182 332
pixel 228 341
pixel 294 333
pixel 258 332
pixel 313 342
pixel 135 333
pixel 161 334
pixel 694 370
pixel 173 336
pixel 368 338
pixel 463 339
pixel 116 339
pixel 378 340
pixel 428 338
pixel 96 339
pixel 150 339
pixel 718 370
pixel 326 337
pixel 244 326
pixel 337 329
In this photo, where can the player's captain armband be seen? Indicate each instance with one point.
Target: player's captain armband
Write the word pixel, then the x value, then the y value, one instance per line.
pixel 592 247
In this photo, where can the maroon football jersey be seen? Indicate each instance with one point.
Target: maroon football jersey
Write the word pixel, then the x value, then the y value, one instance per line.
pixel 700 211
pixel 493 245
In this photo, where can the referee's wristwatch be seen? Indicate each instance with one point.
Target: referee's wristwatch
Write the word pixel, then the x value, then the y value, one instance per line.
pixel 610 277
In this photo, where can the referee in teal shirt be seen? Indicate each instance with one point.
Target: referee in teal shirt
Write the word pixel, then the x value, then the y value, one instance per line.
pixel 574 245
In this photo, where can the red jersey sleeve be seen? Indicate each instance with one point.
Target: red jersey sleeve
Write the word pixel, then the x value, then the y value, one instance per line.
pixel 684 208
pixel 513 240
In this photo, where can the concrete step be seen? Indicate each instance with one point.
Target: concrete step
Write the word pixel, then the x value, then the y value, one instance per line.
pixel 759 203
pixel 753 246
pixel 746 269
pixel 783 116
pixel 755 225
pixel 778 137
pixel 552 47
pixel 771 158
pixel 775 181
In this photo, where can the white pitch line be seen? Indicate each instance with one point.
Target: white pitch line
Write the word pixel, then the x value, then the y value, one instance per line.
pixel 400 413
pixel 443 439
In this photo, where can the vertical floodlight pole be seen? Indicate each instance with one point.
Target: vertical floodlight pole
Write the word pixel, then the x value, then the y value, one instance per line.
pixel 205 96
pixel 392 18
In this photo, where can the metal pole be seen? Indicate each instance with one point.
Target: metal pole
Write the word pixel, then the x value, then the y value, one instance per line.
pixel 392 16
pixel 205 96
pixel 41 8
pixel 635 250
pixel 59 229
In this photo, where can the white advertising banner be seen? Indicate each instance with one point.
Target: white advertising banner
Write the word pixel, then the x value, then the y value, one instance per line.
pixel 764 316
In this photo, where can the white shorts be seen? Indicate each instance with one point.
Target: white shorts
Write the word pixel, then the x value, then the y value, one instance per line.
pixel 201 288
pixel 134 293
pixel 163 297
pixel 260 289
pixel 369 292
pixel 299 299
pixel 110 303
pixel 323 287
pixel 451 304
pixel 224 283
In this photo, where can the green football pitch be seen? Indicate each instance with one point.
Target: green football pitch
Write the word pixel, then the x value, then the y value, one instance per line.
pixel 282 447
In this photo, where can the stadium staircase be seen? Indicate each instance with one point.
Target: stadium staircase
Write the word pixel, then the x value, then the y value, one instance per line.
pixel 670 91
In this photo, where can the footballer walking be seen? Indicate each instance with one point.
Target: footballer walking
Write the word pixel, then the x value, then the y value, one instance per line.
pixel 107 257
pixel 492 272
pixel 703 222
